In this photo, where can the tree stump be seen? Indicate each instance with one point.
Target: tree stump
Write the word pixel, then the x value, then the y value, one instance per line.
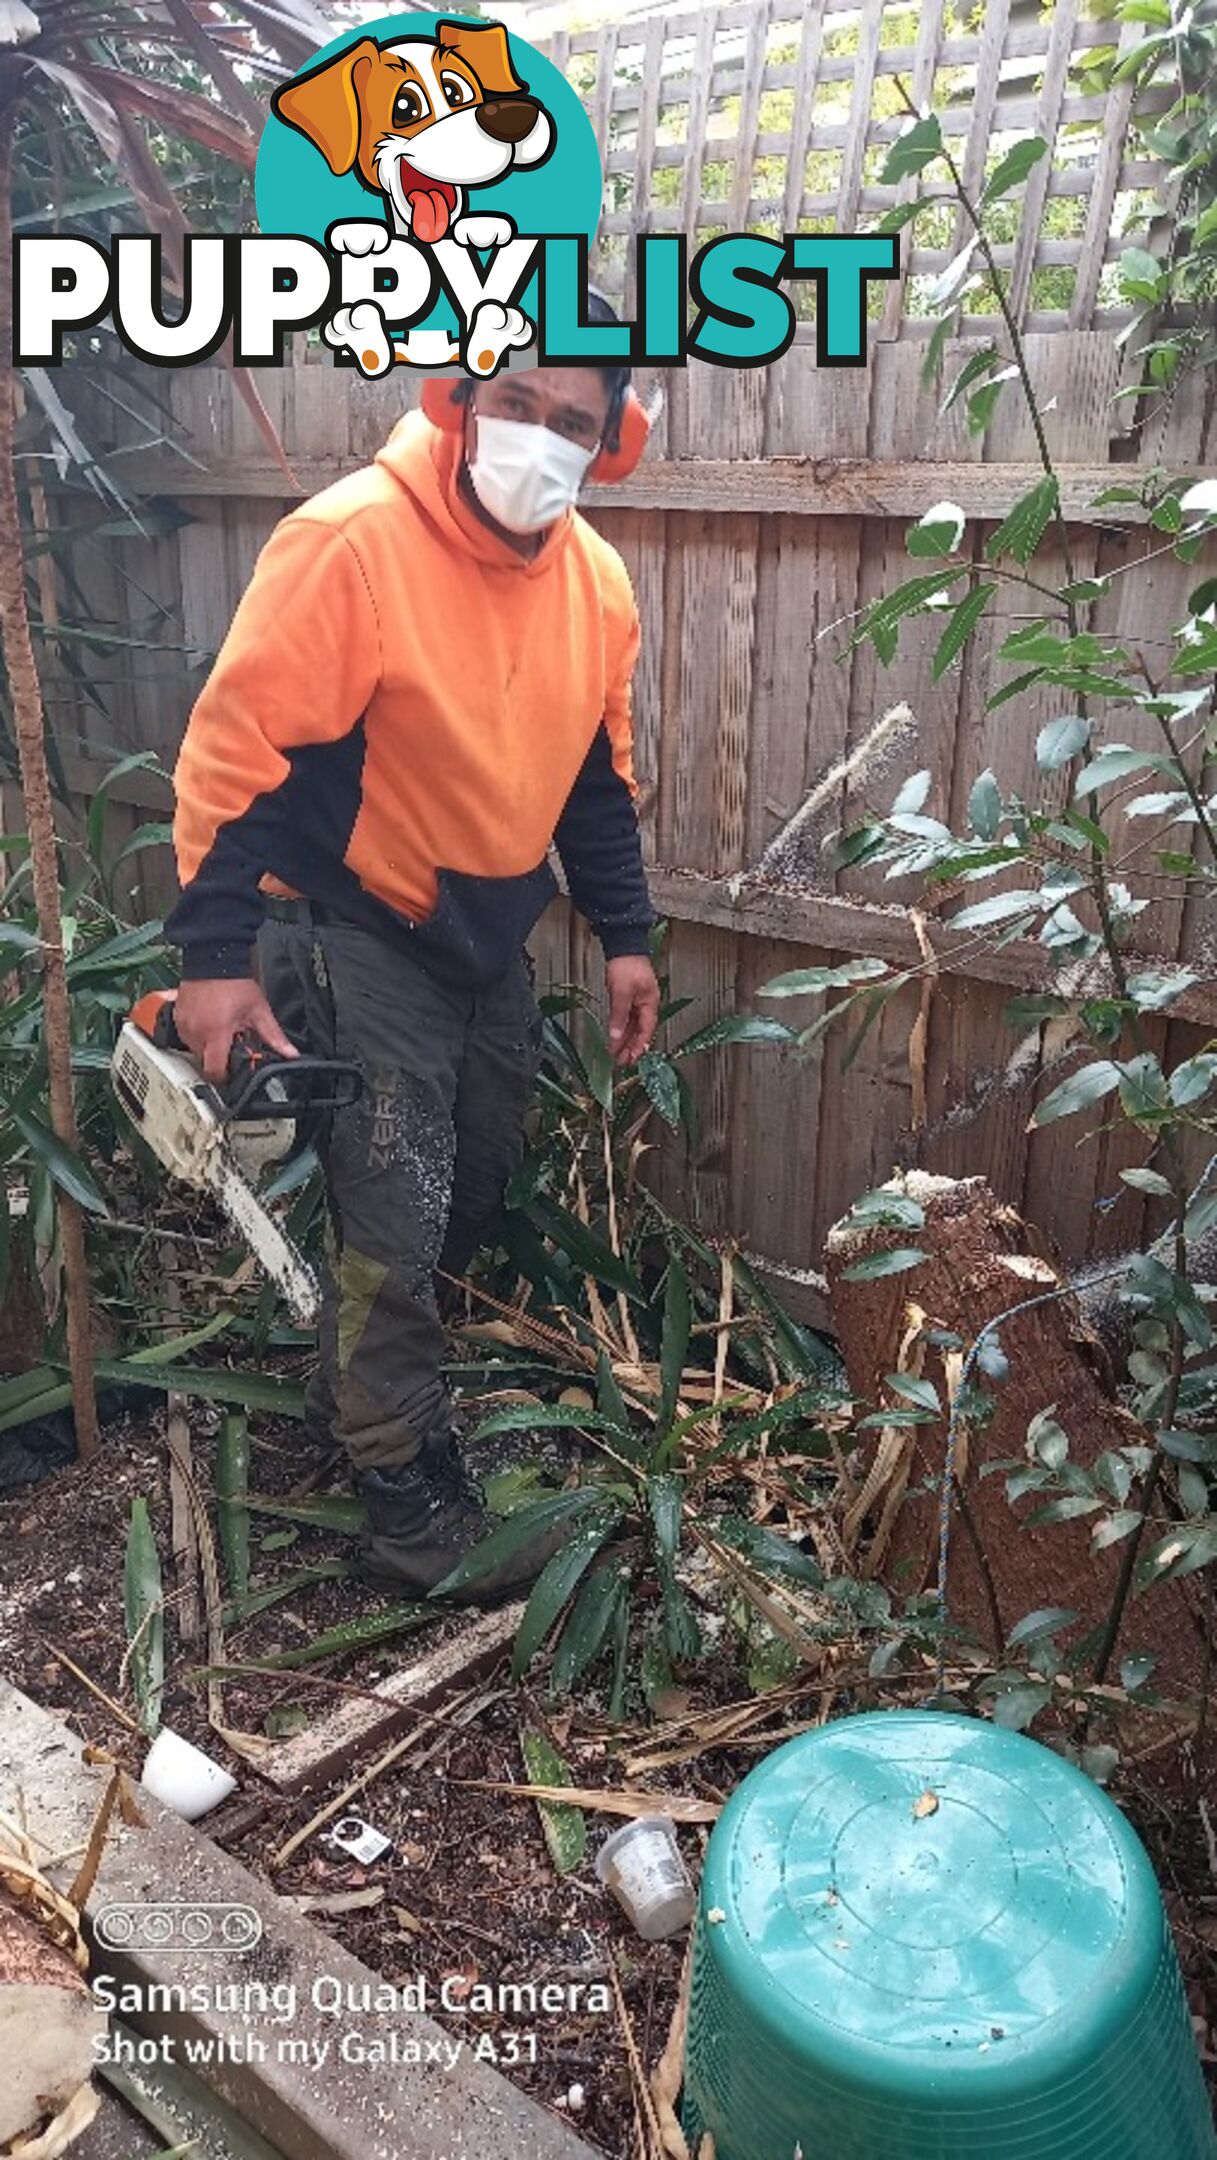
pixel 48 2023
pixel 981 1259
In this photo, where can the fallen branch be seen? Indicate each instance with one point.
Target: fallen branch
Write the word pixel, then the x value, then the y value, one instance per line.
pixel 631 1804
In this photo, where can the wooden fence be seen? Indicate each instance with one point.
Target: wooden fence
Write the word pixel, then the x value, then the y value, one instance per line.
pixel 773 506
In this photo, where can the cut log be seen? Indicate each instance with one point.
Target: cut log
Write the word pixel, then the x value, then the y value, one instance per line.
pixel 48 2024
pixel 981 1259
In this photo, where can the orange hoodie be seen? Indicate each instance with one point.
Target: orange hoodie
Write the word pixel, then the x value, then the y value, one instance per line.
pixel 404 716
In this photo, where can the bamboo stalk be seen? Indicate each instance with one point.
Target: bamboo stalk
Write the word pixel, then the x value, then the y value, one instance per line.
pixel 29 724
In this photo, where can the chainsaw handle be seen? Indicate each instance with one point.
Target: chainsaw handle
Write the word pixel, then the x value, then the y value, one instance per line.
pixel 253 1066
pixel 253 1069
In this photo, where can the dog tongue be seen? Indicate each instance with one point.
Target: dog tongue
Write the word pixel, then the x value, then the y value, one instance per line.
pixel 429 215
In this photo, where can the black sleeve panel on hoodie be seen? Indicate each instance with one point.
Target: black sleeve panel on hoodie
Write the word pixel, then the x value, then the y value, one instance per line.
pixel 600 849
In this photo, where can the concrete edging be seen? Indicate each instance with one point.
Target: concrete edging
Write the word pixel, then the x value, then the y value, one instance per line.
pixel 389 2110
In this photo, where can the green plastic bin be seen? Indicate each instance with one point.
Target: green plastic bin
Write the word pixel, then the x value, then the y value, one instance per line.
pixel 922 1938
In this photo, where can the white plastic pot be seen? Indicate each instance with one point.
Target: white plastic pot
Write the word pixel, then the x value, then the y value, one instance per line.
pixel 179 1774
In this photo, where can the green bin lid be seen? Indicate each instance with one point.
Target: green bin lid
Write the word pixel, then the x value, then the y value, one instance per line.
pixel 923 1938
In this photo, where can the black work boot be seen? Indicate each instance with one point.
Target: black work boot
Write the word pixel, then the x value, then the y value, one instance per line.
pixel 425 1517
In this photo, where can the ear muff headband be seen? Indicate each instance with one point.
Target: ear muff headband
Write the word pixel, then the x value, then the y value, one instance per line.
pixel 445 397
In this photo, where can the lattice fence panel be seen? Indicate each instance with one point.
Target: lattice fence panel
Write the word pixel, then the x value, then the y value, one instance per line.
pixel 778 115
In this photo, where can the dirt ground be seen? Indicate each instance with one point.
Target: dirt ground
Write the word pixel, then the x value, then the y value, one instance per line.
pixel 469 1887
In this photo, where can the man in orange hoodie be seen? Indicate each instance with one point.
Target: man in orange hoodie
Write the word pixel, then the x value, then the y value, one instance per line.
pixel 426 683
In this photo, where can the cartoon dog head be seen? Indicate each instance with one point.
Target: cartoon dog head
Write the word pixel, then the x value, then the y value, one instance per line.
pixel 421 119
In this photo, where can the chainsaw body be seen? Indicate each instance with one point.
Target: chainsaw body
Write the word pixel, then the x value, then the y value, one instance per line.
pixel 224 1139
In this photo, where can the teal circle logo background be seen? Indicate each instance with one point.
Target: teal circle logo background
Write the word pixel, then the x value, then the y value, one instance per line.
pixel 296 192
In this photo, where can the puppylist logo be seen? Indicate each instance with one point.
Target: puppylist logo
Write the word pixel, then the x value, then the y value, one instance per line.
pixel 427 190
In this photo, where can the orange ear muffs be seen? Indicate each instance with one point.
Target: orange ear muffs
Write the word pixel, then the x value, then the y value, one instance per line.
pixel 632 431
pixel 444 400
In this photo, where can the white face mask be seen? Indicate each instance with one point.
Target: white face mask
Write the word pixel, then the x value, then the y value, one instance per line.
pixel 526 476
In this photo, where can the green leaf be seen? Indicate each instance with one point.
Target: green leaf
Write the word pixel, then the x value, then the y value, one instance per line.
pixel 1189 1446
pixel 1147 1181
pixel 337 1512
pixel 674 1348
pixel 65 1166
pixel 139 761
pixel 1117 762
pixel 1153 989
pixel 253 1391
pixel 680 1629
pixel 610 1402
pixel 1028 1012
pixel 1192 1080
pixel 982 403
pixel 913 793
pixel 601 1595
pixel 564 1828
pixel 591 1254
pixel 506 1491
pixel 352 1635
pixel 545 1417
pixel 665 1499
pixel 232 1492
pixel 895 1262
pixel 1115 1528
pixel 734 1028
pixel 1020 533
pixel 1081 1089
pixel 812 982
pixel 767 1551
pixel 290 1585
pixel 1013 168
pixel 1183 1551
pixel 597 1061
pixel 884 616
pixel 560 1578
pixel 1040 1626
pixel 1143 1094
pixel 662 1085
pixel 922 1393
pixel 999 907
pixel 902 214
pixel 144 837
pixel 888 1209
pixel 513 1537
pixel 1014 1707
pixel 931 366
pixel 1142 276
pixel 1066 1510
pixel 912 151
pixel 938 533
pixel 985 807
pixel 978 364
pixel 963 621
pixel 1135 1671
pixel 1061 740
pixel 1048 1440
pixel 144 1618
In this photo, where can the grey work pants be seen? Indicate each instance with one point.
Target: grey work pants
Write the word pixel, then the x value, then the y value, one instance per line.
pixel 414 1171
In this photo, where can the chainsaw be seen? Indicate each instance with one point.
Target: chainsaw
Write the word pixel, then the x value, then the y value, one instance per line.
pixel 223 1139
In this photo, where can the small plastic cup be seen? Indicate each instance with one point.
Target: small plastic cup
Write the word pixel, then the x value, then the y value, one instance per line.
pixel 187 1781
pixel 642 1867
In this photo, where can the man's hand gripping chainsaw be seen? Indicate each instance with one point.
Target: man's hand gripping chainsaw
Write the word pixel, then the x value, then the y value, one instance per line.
pixel 222 1139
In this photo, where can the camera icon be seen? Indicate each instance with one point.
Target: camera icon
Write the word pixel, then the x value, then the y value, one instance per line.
pixel 166 1928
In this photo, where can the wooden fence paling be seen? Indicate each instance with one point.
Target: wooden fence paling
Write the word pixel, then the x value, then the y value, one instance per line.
pixel 774 503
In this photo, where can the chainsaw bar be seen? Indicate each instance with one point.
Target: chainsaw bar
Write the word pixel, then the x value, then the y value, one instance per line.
pixel 287 1268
